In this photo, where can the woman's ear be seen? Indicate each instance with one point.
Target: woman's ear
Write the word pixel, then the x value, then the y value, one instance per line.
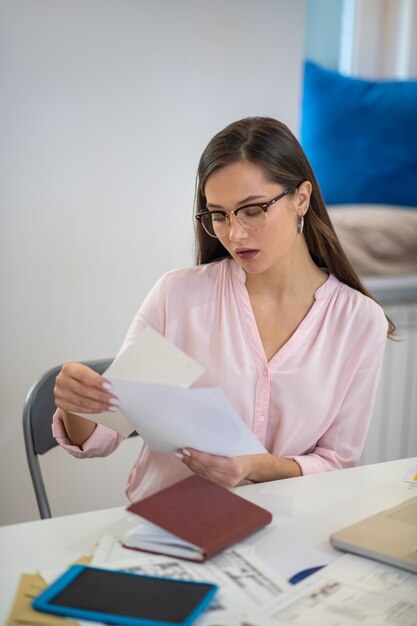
pixel 303 197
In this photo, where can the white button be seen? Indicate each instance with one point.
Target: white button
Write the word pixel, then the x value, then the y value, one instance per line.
pixel 261 418
pixel 266 371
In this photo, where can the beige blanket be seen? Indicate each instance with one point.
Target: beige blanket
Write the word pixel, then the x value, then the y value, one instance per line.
pixel 379 240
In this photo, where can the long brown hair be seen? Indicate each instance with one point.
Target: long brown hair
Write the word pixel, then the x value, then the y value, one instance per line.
pixel 268 143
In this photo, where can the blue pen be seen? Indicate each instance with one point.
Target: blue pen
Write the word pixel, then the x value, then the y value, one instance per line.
pixel 304 574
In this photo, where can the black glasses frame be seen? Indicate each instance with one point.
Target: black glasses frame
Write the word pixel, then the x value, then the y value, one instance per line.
pixel 262 205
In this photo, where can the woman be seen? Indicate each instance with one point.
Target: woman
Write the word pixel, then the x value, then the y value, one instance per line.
pixel 274 312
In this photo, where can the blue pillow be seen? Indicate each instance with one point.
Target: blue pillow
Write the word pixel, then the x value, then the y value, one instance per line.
pixel 360 137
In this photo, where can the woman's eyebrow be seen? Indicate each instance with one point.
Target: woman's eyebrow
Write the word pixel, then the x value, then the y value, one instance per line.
pixel 210 205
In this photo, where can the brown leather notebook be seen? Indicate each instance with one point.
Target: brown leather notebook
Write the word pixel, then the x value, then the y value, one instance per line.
pixel 193 519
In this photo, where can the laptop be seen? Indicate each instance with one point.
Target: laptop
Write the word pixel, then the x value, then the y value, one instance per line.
pixel 389 536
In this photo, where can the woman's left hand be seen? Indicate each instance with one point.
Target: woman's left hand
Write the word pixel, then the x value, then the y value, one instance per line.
pixel 227 471
pixel 231 471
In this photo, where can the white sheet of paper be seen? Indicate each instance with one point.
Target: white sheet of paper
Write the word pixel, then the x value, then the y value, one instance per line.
pixel 169 418
pixel 297 558
pixel 151 359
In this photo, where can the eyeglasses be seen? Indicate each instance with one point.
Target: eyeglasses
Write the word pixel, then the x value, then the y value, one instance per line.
pixel 251 216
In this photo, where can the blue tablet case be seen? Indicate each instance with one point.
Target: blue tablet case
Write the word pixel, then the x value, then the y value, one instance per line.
pixel 162 601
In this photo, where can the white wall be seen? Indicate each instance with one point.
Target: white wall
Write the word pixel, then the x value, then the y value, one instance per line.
pixel 106 106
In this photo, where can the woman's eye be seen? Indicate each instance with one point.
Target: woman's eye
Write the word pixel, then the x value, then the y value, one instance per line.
pixel 251 211
pixel 217 217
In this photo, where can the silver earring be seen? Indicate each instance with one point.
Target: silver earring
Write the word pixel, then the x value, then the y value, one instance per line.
pixel 300 225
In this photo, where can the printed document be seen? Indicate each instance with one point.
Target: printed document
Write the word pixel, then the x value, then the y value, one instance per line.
pixel 352 591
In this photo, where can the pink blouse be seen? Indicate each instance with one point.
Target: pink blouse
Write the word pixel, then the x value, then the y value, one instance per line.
pixel 312 402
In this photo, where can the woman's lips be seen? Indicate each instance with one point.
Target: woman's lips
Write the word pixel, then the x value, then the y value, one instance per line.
pixel 246 254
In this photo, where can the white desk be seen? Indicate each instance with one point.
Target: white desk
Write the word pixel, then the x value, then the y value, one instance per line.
pixel 305 509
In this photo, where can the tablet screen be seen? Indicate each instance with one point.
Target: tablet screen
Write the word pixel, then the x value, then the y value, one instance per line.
pixel 123 594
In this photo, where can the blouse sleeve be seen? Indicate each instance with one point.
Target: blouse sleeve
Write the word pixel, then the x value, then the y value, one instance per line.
pixel 102 442
pixel 342 443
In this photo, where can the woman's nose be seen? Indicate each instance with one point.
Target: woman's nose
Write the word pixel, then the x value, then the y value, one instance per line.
pixel 236 230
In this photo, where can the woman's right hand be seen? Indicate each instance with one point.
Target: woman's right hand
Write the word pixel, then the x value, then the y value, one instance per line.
pixel 78 388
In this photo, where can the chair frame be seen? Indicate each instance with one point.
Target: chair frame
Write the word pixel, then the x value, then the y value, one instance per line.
pixel 38 443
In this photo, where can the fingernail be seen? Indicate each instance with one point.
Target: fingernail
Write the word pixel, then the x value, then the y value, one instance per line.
pixel 114 401
pixel 179 456
pixel 107 386
pixel 113 408
pixel 186 452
